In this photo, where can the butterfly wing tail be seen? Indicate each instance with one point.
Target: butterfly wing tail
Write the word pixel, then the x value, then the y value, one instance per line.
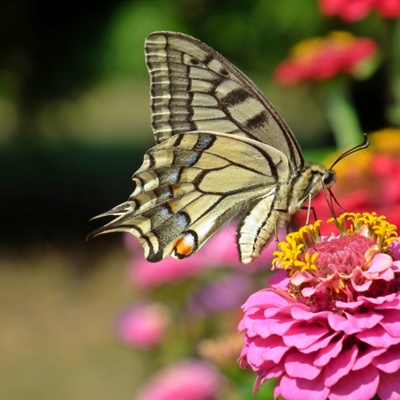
pixel 113 226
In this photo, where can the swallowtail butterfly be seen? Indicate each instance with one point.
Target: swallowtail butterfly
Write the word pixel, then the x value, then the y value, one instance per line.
pixel 222 152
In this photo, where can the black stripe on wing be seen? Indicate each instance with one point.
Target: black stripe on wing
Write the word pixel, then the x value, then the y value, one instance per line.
pixel 181 66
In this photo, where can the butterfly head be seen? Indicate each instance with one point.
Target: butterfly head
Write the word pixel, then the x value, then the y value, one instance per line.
pixel 313 179
pixel 329 179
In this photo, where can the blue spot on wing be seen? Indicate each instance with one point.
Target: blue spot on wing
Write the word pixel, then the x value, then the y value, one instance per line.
pixel 204 142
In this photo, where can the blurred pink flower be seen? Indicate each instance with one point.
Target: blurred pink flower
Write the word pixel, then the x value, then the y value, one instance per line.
pixel 132 243
pixel 185 380
pixel 354 10
pixel 222 294
pixel 319 59
pixel 144 325
pixel 145 274
pixel 222 250
pixel 330 325
pixel 219 251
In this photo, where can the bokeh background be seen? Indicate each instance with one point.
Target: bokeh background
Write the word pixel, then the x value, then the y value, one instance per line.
pixel 74 124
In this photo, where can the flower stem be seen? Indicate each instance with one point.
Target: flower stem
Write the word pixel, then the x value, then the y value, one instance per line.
pixel 341 115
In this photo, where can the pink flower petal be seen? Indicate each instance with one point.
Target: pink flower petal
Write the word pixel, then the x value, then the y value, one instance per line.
pixel 389 386
pixel 261 328
pixel 377 337
pixel 299 365
pixel 377 300
pixel 295 389
pixel 304 313
pixel 301 337
pixel 395 249
pixel 263 297
pixel 279 280
pixel 277 392
pixel 363 287
pixel 340 366
pixel 320 343
pixel 256 325
pixel 298 278
pixel 356 385
pixel 389 362
pixel 255 352
pixel 381 262
pixel 396 266
pixel 282 326
pixel 391 322
pixel 365 359
pixel 339 323
pixel 365 320
pixel 272 311
pixel 393 303
pixel 349 305
pixel 274 349
pixel 387 275
pixel 330 351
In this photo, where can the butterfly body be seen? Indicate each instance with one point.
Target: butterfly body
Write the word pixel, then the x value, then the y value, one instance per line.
pixel 222 152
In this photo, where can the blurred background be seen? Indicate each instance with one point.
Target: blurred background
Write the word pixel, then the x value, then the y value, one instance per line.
pixel 74 125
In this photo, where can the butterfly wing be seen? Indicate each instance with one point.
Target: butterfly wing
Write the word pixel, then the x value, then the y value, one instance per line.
pixel 192 184
pixel 194 88
pixel 222 152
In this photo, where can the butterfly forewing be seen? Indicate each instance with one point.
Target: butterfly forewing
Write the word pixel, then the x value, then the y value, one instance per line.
pixel 194 88
pixel 221 152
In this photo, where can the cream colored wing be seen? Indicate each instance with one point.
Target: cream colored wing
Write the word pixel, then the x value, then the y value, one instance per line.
pixel 190 185
pixel 194 88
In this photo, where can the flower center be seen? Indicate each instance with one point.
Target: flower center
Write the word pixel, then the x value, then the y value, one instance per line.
pixel 342 254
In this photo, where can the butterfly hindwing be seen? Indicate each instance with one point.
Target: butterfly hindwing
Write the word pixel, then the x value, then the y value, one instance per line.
pixel 189 186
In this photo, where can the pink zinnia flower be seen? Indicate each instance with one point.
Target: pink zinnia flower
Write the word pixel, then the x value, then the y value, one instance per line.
pixel 330 325
pixel 323 58
pixel 354 10
pixel 144 325
pixel 186 380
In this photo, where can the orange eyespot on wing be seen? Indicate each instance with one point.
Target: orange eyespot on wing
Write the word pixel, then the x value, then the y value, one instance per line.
pixel 185 245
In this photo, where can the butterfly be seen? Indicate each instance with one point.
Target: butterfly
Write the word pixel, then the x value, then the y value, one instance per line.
pixel 222 152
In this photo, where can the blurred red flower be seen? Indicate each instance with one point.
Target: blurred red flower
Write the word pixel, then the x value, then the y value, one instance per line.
pixel 322 58
pixel 367 181
pixel 354 10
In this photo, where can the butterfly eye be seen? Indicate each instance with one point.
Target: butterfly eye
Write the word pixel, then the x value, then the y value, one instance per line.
pixel 329 178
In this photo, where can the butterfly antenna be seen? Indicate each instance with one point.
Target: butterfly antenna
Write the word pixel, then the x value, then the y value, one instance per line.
pixel 329 196
pixel 333 198
pixel 354 149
